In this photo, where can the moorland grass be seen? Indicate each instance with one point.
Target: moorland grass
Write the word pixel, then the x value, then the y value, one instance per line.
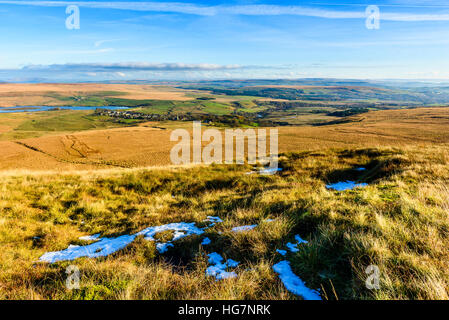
pixel 399 223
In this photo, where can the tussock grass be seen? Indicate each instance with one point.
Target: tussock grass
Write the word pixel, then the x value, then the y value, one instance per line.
pixel 399 222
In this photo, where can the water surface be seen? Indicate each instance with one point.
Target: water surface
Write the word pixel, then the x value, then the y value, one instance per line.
pixel 53 108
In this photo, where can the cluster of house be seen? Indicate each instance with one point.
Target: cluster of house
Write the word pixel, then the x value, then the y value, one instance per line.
pixel 143 116
pixel 233 120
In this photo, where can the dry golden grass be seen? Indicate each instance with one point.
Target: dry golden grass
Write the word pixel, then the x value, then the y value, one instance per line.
pixel 399 222
pixel 12 94
pixel 148 145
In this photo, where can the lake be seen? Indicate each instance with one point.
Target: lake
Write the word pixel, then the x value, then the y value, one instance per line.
pixel 49 108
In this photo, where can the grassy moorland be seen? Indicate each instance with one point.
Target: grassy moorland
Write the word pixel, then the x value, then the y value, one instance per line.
pixel 66 174
pixel 399 222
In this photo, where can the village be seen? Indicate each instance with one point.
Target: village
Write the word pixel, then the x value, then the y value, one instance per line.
pixel 233 120
pixel 143 116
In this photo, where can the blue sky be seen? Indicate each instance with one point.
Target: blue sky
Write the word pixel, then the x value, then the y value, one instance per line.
pixel 164 40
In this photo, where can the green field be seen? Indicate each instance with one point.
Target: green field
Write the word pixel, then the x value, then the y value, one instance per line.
pixel 28 125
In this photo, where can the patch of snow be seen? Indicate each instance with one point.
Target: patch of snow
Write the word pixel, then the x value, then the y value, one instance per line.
pixel 182 229
pixel 270 170
pixel 213 220
pixel 178 235
pixel 281 252
pixel 293 247
pixel 299 240
pixel 215 258
pixel 232 263
pixel 243 228
pixel 206 241
pixel 106 246
pixel 293 283
pixel 346 185
pixel 163 247
pixel 90 238
pixel 218 271
pixel 265 171
pixel 101 248
pixel 218 268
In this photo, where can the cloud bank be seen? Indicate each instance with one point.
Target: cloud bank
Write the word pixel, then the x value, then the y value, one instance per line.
pixel 123 70
pixel 129 66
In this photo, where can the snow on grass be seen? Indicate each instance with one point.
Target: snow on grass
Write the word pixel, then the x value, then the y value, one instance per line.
pixel 163 247
pixel 214 258
pixel 345 185
pixel 293 283
pixel 206 241
pixel 299 240
pixel 281 252
pixel 182 229
pixel 293 247
pixel 232 263
pixel 105 246
pixel 270 170
pixel 218 267
pixel 244 228
pixel 290 280
pixel 213 220
pixel 101 248
pixel 265 171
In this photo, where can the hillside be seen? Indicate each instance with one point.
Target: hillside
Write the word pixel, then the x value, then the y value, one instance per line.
pixel 398 222
pixel 56 141
pixel 61 186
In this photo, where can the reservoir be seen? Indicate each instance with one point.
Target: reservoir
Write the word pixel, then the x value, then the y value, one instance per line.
pixel 53 108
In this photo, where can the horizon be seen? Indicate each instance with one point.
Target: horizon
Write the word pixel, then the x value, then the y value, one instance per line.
pixel 313 81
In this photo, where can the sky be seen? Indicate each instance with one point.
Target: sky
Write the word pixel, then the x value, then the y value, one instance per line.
pixel 237 39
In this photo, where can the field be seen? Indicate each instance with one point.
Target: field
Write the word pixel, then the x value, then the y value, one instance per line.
pixel 90 94
pixel 67 174
pixel 399 223
pixel 69 140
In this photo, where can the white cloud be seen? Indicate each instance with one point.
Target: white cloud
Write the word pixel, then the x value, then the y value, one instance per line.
pixel 74 52
pixel 101 42
pixel 260 10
